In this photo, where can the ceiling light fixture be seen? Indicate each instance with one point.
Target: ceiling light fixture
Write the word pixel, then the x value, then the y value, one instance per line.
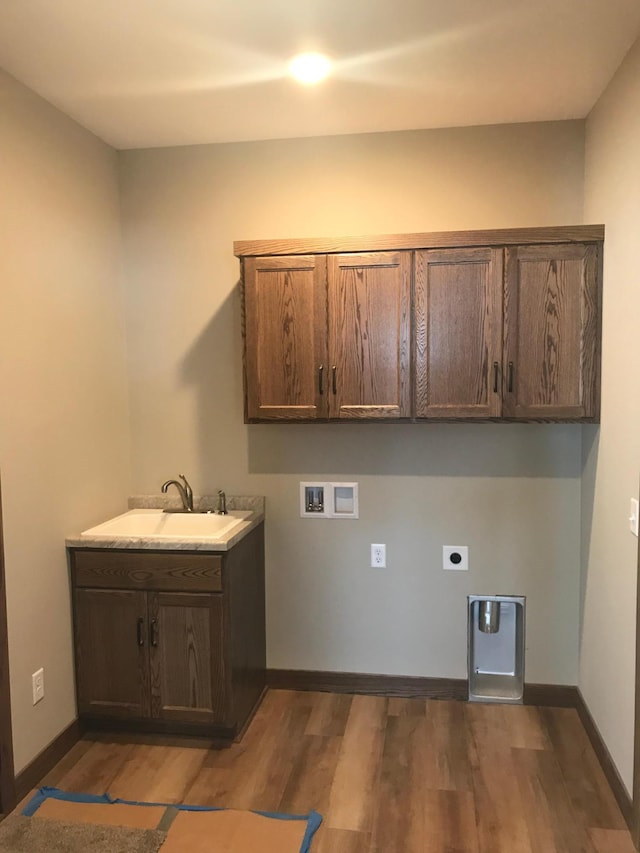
pixel 309 68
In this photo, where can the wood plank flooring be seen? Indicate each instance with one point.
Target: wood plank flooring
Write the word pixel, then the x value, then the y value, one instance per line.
pixel 388 775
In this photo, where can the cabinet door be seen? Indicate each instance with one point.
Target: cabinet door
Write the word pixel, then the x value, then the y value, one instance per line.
pixel 369 335
pixel 285 303
pixel 187 662
pixel 112 667
pixel 458 333
pixel 551 332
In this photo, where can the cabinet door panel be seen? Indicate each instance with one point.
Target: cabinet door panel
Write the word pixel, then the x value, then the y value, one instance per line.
pixel 285 302
pixel 111 652
pixel 369 335
pixel 187 669
pixel 551 331
pixel 458 338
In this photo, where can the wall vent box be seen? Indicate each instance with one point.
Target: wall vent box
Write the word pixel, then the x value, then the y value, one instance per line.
pixel 495 648
pixel 329 500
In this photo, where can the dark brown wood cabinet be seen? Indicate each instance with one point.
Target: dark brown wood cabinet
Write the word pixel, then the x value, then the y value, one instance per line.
pixel 170 641
pixel 551 332
pixel 369 335
pixel 507 333
pixel 485 325
pixel 327 337
pixel 186 656
pixel 286 337
pixel 458 333
pixel 111 657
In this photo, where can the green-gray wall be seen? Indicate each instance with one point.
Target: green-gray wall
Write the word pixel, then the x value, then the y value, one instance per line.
pixel 612 452
pixel 64 432
pixel 511 493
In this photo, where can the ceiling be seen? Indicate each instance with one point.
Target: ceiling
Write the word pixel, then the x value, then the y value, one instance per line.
pixel 143 73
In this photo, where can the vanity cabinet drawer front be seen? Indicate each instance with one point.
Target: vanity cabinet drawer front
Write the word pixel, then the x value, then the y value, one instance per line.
pixel 147 570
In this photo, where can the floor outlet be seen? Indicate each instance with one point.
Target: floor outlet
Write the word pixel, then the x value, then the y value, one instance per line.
pixel 378 556
pixel 37 683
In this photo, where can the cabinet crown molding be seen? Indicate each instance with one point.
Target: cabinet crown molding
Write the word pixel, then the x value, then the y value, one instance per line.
pixel 427 240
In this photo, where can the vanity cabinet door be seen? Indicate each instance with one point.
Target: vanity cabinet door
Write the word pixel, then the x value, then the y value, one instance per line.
pixel 188 680
pixel 458 333
pixel 285 307
pixel 551 332
pixel 112 664
pixel 369 335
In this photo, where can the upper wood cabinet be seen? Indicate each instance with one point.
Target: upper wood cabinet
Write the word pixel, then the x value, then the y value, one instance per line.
pixel 328 337
pixel 551 332
pixel 520 345
pixel 448 326
pixel 458 333
pixel 285 301
pixel 369 335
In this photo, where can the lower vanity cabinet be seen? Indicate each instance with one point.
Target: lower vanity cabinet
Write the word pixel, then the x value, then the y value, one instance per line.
pixel 187 666
pixel 170 641
pixel 150 654
pixel 112 658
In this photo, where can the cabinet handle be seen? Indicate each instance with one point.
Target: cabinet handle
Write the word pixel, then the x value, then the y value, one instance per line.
pixel 154 632
pixel 495 377
pixel 320 372
pixel 141 632
pixel 510 382
pixel 333 379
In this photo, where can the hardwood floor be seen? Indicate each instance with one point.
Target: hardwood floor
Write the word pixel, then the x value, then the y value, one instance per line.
pixel 388 775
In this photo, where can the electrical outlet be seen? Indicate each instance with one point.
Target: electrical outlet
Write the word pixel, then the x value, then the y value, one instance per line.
pixel 633 517
pixel 378 556
pixel 455 558
pixel 37 684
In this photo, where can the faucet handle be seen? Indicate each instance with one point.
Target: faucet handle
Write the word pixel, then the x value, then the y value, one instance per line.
pixel 188 492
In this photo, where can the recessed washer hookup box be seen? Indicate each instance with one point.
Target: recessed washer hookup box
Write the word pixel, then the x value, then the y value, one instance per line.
pixel 328 500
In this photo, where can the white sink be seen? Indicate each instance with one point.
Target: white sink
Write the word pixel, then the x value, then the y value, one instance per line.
pixel 156 524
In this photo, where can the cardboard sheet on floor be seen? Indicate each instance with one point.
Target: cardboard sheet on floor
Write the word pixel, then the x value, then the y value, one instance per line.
pixel 113 814
pixel 233 831
pixel 191 828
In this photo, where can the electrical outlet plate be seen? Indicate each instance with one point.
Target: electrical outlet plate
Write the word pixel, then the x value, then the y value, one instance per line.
pixel 378 556
pixel 455 558
pixel 633 516
pixel 37 685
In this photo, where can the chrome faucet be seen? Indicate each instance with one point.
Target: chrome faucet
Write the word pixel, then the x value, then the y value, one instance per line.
pixel 186 493
pixel 222 503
